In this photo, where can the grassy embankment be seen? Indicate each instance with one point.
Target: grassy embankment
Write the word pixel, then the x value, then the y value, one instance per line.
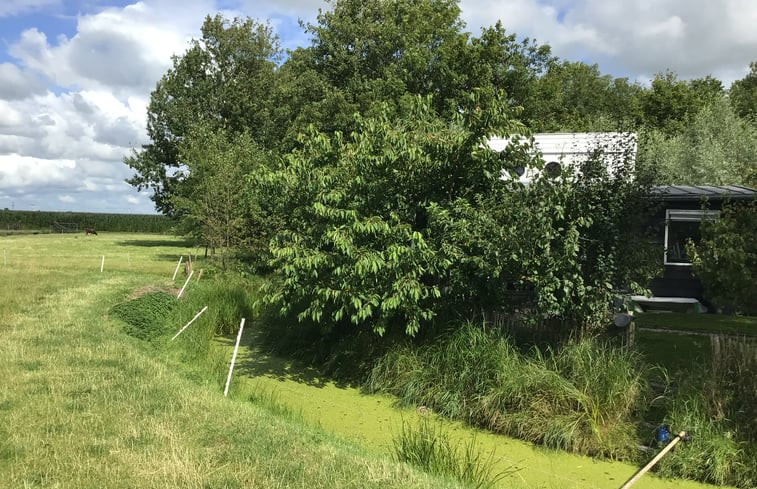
pixel 83 405
pixel 96 408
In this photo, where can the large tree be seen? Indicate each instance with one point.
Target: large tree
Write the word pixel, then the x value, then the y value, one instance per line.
pixel 215 202
pixel 715 147
pixel 223 81
pixel 743 94
pixel 409 218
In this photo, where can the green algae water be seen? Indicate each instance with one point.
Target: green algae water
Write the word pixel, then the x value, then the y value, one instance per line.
pixel 374 420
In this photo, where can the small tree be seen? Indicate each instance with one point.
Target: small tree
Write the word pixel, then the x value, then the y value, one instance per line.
pixel 215 205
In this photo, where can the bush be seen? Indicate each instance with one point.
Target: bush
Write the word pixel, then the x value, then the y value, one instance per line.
pixel 725 259
pixel 583 397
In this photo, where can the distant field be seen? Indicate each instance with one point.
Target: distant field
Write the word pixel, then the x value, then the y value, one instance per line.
pixel 14 222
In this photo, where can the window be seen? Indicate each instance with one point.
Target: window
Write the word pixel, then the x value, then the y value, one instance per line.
pixel 680 227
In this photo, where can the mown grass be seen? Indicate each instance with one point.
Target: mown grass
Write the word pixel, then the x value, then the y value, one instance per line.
pixel 84 405
pixel 706 323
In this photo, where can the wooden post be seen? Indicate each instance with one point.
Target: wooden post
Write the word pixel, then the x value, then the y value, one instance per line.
pixel 177 267
pixel 199 275
pixel 190 322
pixel 654 461
pixel 102 264
pixel 233 359
pixel 185 285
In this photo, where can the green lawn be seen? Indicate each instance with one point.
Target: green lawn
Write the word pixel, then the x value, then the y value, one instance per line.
pixel 82 405
pixel 708 323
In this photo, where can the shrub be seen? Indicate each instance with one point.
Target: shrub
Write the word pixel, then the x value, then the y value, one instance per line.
pixel 725 259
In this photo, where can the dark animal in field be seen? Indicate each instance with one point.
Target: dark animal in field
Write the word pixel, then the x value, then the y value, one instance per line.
pixel 89 231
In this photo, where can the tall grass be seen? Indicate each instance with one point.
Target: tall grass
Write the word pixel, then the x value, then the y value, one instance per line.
pixel 429 447
pixel 584 397
pixel 717 405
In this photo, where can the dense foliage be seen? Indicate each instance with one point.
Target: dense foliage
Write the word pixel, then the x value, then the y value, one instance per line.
pixel 411 220
pixel 725 259
pixel 362 159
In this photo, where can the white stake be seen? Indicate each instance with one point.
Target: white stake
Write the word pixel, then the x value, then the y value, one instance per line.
pixel 185 284
pixel 177 267
pixel 102 264
pixel 190 322
pixel 199 275
pixel 233 358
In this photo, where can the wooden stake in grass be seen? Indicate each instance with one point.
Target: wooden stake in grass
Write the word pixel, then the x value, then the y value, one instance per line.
pixel 199 275
pixel 233 359
pixel 185 285
pixel 102 264
pixel 652 462
pixel 177 267
pixel 190 322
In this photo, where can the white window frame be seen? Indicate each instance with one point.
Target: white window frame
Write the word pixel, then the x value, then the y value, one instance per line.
pixel 685 215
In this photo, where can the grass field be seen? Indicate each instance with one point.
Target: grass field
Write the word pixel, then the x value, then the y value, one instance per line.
pixel 84 405
pixel 706 323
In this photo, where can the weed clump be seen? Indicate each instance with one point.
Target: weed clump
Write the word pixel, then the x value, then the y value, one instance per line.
pixel 718 407
pixel 429 447
pixel 145 315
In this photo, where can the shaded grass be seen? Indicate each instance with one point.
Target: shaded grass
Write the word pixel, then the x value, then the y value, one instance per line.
pixel 708 323
pixel 677 353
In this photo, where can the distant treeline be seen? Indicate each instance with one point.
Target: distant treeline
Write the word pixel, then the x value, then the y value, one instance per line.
pixel 13 220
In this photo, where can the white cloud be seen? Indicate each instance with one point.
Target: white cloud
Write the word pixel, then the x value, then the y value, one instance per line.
pixel 635 39
pixel 21 171
pixel 14 7
pixel 66 199
pixel 18 84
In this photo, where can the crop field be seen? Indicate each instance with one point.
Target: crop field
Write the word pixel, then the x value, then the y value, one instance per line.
pixel 83 404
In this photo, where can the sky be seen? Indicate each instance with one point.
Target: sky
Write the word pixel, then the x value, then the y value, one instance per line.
pixel 76 75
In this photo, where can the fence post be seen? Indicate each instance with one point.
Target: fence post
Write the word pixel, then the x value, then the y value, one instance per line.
pixel 233 359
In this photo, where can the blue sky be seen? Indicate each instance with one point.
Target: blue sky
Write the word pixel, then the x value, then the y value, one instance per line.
pixel 76 76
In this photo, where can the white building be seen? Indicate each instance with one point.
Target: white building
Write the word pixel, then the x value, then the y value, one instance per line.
pixel 571 149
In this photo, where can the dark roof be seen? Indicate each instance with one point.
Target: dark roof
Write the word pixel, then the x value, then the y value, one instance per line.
pixel 697 192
